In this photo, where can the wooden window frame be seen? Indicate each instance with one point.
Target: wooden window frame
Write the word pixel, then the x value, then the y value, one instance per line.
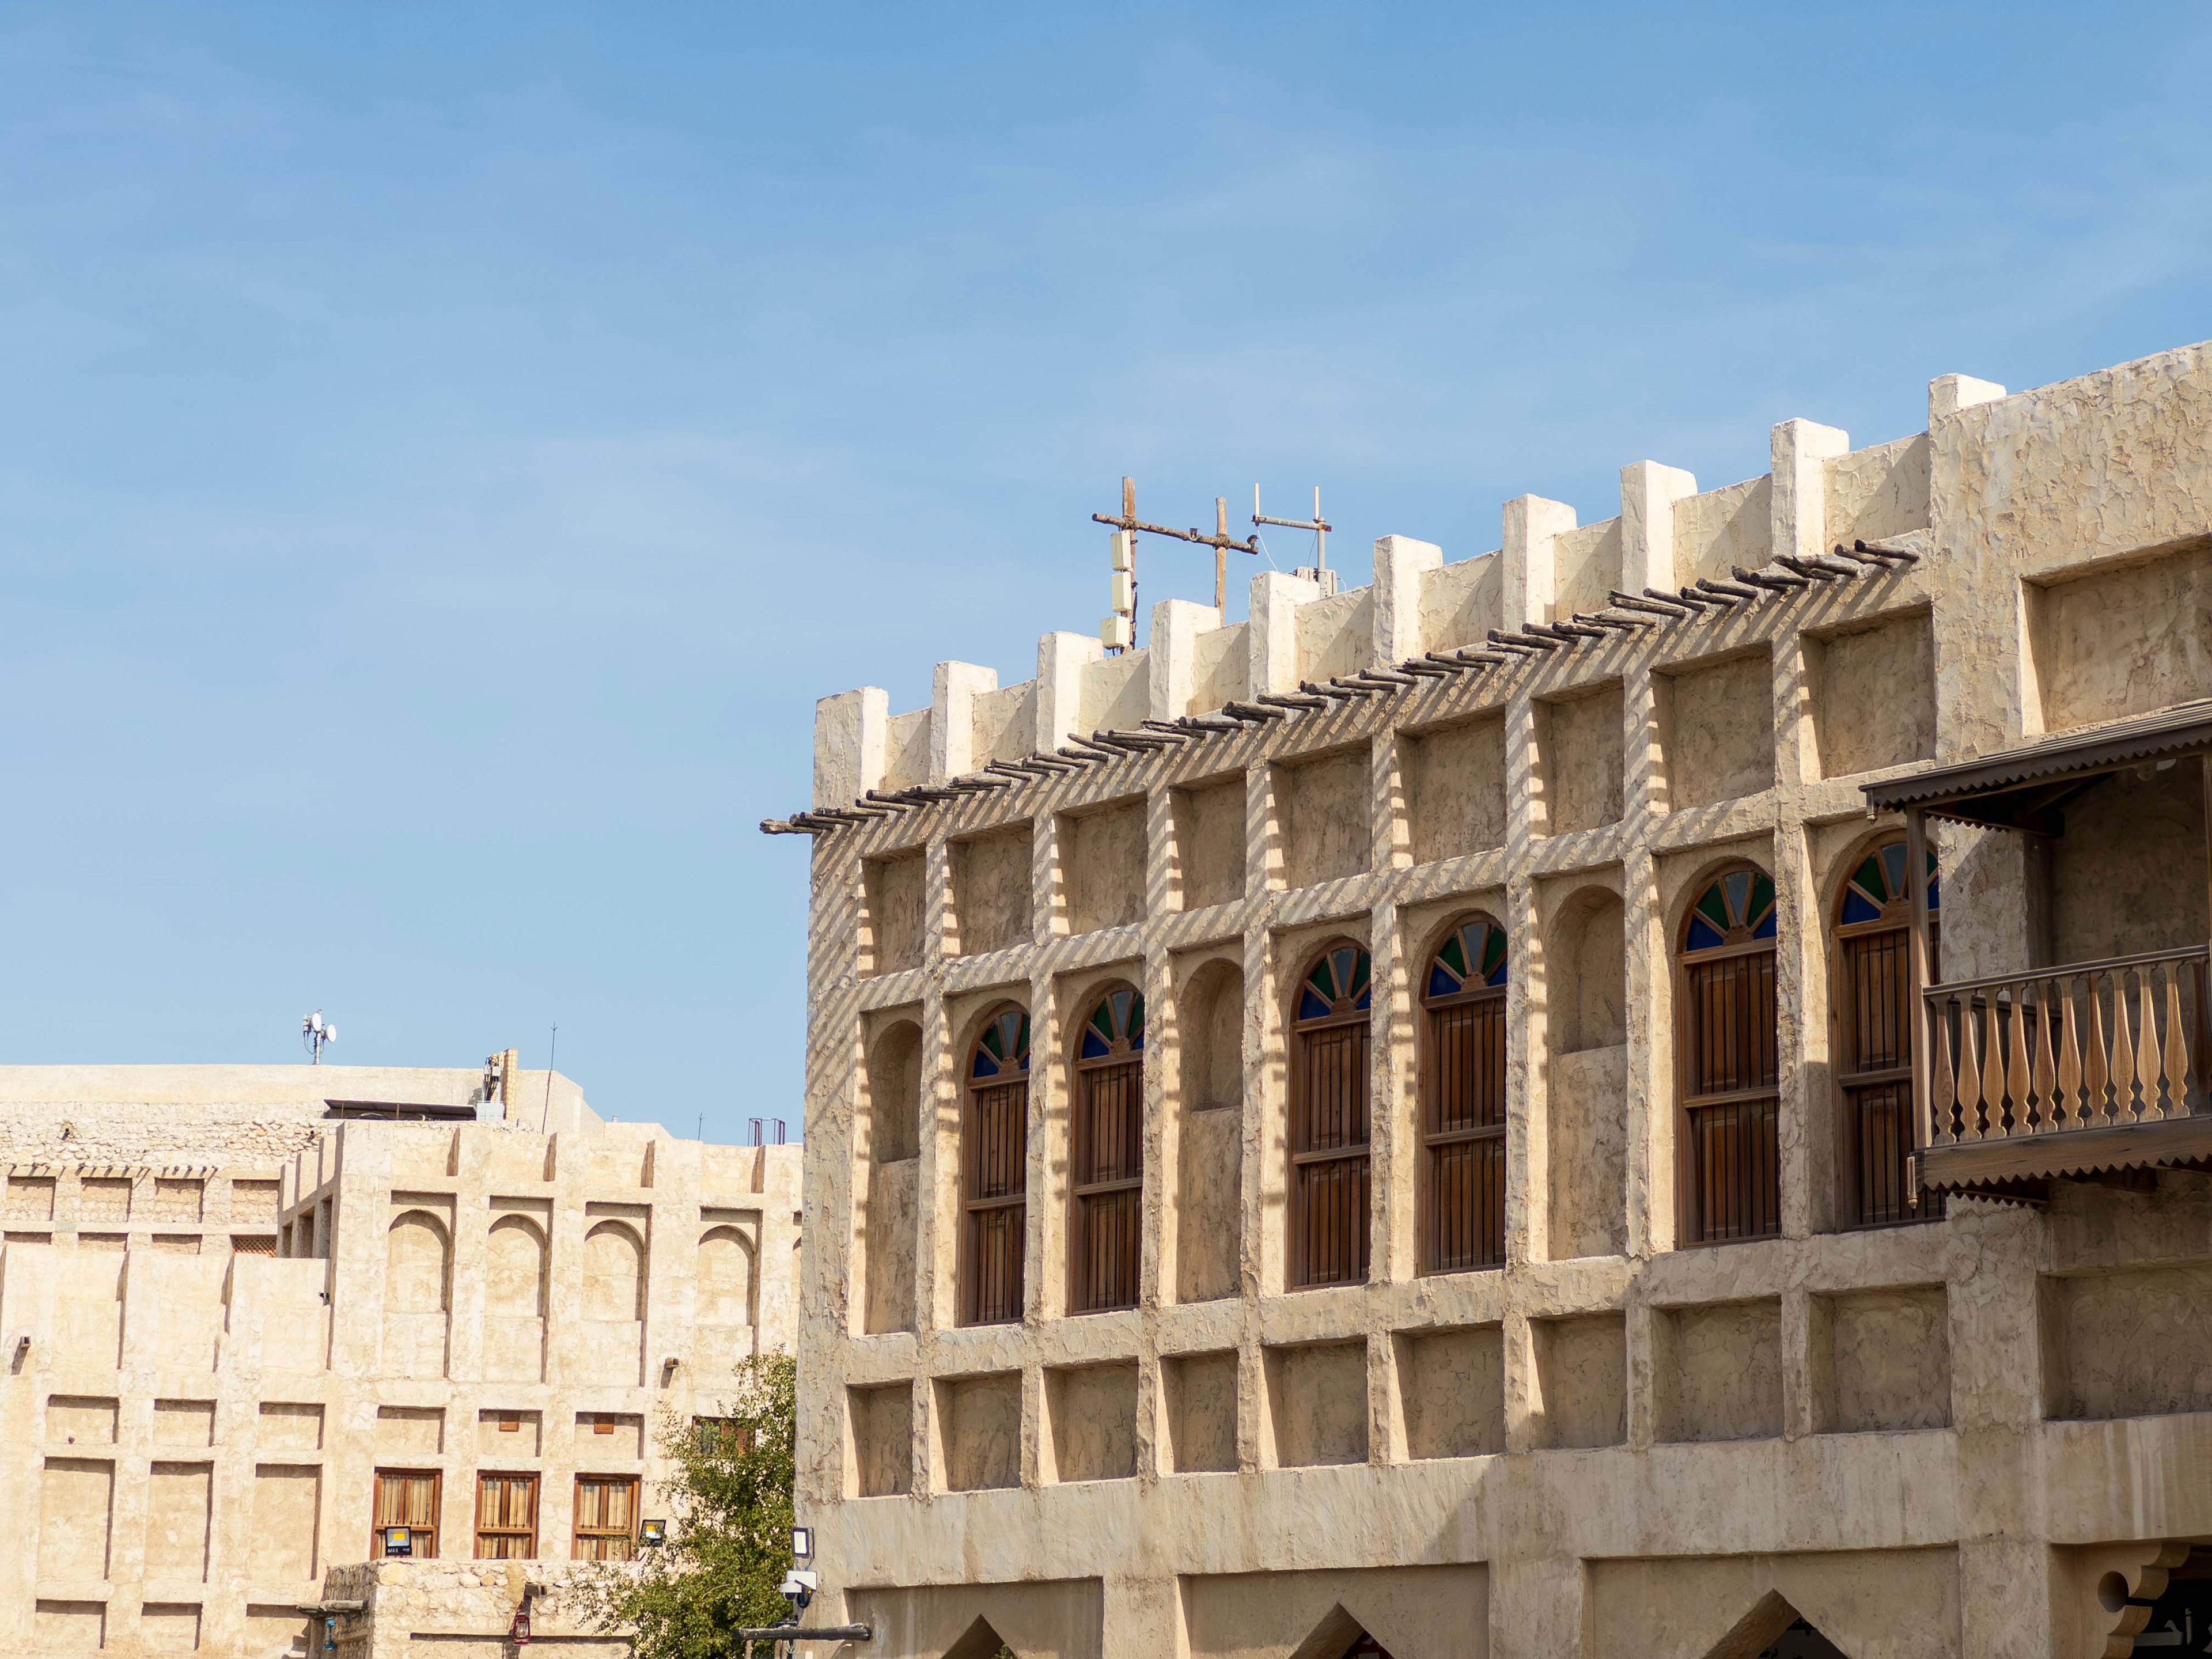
pixel 1695 1226
pixel 377 1523
pixel 579 1533
pixel 1897 917
pixel 528 1534
pixel 1091 1193
pixel 1344 1015
pixel 976 1210
pixel 1436 1141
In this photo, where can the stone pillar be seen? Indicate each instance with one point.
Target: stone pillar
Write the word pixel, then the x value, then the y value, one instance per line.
pixel 952 717
pixel 1949 393
pixel 1532 525
pixel 848 745
pixel 1799 504
pixel 1647 494
pixel 1400 563
pixel 1273 636
pixel 1061 661
pixel 1172 659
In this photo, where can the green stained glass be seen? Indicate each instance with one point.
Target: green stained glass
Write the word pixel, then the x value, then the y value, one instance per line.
pixel 1452 955
pixel 1359 968
pixel 1713 908
pixel 1762 898
pixel 991 1046
pixel 1870 881
pixel 1102 1021
pixel 1320 980
pixel 1137 1017
pixel 1493 950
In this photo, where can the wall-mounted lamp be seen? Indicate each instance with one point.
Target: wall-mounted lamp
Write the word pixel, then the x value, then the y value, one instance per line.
pixel 398 1542
pixel 331 1633
pixel 652 1535
pixel 802 1543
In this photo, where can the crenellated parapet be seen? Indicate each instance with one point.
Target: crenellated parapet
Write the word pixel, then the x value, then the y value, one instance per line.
pixel 1545 570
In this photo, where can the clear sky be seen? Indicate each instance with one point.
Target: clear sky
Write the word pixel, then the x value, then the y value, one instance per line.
pixel 446 450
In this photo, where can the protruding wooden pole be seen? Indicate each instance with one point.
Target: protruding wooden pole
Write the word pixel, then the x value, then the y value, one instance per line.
pixel 1220 557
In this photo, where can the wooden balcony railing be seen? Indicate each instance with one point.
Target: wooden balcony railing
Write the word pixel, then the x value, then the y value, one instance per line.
pixel 2095 1045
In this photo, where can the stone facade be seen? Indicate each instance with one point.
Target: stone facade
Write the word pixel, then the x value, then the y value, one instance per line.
pixel 225 1311
pixel 1977 1435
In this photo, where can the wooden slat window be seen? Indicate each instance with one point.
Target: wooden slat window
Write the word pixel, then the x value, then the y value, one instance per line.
pixel 506 1517
pixel 1330 1014
pixel 606 1517
pixel 1463 1099
pixel 717 1436
pixel 994 1171
pixel 409 1498
pixel 1108 1144
pixel 1874 1025
pixel 1731 1070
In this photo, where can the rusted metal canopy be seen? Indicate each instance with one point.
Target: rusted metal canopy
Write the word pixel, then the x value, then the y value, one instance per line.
pixel 2023 788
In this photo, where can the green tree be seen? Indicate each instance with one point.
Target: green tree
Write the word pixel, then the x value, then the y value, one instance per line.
pixel 728 1497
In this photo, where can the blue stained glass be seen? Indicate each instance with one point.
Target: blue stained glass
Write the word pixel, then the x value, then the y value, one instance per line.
pixel 1934 893
pixel 985 1066
pixel 1440 983
pixel 1856 907
pixel 1704 936
pixel 1766 929
pixel 1311 1005
pixel 1498 978
pixel 1094 1047
pixel 1365 997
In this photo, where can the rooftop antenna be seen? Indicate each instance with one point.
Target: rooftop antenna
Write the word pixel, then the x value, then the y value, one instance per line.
pixel 314 1032
pixel 1119 630
pixel 1319 526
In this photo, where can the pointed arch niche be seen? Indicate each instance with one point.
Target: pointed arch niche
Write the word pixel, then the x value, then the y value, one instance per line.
pixel 1585 1069
pixel 887 1175
pixel 1209 1183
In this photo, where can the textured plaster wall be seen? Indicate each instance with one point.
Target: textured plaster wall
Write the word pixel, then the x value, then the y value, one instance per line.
pixel 1894 1438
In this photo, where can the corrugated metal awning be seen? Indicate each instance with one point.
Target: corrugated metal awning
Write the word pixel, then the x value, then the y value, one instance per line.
pixel 2022 788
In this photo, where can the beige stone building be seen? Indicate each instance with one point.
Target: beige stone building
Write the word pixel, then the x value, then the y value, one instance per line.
pixel 1638 1095
pixel 264 1323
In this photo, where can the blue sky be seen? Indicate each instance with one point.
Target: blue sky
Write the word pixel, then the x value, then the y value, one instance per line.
pixel 444 451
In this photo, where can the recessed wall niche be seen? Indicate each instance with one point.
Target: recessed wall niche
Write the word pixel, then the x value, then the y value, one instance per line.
pixel 1582 1380
pixel 1210 1140
pixel 1317 1399
pixel 1717 1369
pixel 1579 761
pixel 1452 1386
pixel 2122 638
pixel 1717 729
pixel 979 1426
pixel 1201 1412
pixel 1873 696
pixel 992 891
pixel 1322 819
pixel 880 1421
pixel 1455 788
pixel 1091 1411
pixel 1102 866
pixel 889 1157
pixel 892 903
pixel 1209 843
pixel 1586 1074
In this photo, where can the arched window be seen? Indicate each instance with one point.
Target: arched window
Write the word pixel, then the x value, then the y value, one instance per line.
pixel 1731 1166
pixel 1108 1152
pixel 1874 1029
pixel 1329 1017
pixel 1463 1097
pixel 994 1171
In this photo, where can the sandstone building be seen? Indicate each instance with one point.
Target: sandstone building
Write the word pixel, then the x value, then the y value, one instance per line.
pixel 262 1323
pixel 1640 1095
